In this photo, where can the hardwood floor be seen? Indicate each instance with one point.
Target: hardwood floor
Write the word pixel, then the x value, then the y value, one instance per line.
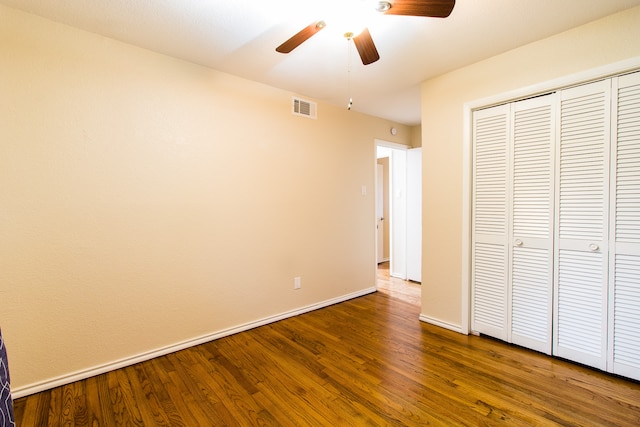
pixel 368 361
pixel 403 289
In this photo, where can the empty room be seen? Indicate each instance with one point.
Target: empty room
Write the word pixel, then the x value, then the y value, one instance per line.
pixel 189 212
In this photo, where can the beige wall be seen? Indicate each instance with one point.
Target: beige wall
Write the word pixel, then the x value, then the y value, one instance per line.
pixel 416 136
pixel 603 42
pixel 146 202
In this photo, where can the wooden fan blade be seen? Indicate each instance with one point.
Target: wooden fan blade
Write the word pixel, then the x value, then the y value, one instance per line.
pixel 430 8
pixel 300 37
pixel 366 47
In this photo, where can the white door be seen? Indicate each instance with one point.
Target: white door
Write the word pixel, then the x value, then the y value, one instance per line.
pixel 531 225
pixel 512 259
pixel 555 243
pixel 398 213
pixel 624 266
pixel 582 195
pixel 414 214
pixel 380 213
pixel 489 261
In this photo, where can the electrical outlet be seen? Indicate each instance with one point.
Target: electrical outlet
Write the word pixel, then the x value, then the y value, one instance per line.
pixel 296 282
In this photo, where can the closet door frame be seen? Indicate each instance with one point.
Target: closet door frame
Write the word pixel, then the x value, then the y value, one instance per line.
pixel 617 68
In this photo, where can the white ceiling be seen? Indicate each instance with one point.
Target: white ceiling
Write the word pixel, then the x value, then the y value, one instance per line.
pixel 240 36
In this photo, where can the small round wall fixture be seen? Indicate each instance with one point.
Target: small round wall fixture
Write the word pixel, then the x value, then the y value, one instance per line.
pixel 394 131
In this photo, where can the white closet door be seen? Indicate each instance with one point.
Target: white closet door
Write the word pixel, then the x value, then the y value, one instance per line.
pixel 532 223
pixel 489 221
pixel 624 307
pixel 582 161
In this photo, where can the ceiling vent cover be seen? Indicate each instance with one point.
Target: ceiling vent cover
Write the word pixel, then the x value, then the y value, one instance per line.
pixel 304 108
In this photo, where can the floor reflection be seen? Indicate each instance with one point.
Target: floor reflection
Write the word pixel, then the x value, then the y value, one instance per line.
pixel 405 290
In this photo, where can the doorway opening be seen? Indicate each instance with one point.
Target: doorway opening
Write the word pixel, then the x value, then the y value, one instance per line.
pixel 399 209
pixel 398 219
pixel 391 207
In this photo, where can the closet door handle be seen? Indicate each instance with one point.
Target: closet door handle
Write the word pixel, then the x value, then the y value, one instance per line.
pixel 519 242
pixel 593 247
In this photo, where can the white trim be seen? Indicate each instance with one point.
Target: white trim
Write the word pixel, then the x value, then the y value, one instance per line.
pixel 142 357
pixel 442 324
pixel 466 222
pixel 610 70
pixel 389 144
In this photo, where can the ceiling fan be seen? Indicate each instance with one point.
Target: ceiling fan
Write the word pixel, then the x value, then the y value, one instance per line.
pixel 363 41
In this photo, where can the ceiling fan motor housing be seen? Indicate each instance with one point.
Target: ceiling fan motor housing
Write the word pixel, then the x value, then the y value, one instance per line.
pixel 383 6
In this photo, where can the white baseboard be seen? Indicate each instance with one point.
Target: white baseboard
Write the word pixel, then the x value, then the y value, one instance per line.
pixel 442 324
pixel 142 357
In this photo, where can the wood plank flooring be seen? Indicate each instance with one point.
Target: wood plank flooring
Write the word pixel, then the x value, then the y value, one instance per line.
pixel 365 362
pixel 405 290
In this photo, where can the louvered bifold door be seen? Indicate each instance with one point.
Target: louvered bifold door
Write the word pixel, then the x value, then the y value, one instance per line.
pixel 531 240
pixel 489 221
pixel 582 194
pixel 624 270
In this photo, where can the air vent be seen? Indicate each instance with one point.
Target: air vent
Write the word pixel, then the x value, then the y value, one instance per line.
pixel 304 108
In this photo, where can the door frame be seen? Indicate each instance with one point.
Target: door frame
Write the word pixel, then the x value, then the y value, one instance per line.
pixel 380 214
pixel 397 211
